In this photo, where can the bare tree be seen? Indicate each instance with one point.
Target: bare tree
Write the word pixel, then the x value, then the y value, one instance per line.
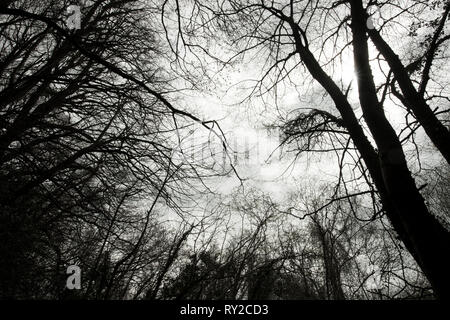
pixel 87 140
pixel 312 36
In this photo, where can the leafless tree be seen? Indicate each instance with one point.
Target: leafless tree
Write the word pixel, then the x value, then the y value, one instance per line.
pixel 311 37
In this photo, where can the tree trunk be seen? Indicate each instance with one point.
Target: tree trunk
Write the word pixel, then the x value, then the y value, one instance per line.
pixel 426 238
pixel 331 265
pixel 436 131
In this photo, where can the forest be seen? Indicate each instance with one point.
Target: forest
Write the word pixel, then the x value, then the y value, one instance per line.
pixel 225 149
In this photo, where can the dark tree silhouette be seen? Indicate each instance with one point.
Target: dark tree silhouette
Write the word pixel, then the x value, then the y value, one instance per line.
pixel 283 31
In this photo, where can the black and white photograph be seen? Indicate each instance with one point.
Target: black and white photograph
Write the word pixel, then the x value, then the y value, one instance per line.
pixel 249 151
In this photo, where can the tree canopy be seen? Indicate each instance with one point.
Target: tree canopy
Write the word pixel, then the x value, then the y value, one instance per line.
pixel 125 149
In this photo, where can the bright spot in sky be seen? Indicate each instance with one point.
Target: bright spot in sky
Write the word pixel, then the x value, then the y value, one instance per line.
pixel 348 72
